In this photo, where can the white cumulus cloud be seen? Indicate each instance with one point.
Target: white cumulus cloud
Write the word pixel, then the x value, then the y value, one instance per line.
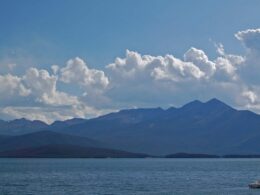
pixel 77 71
pixel 11 85
pixel 250 38
pixel 135 80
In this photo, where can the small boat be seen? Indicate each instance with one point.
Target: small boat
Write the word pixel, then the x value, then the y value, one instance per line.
pixel 255 184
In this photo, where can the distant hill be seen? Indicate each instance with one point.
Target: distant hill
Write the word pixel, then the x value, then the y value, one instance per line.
pixel 45 138
pixel 211 127
pixel 241 156
pixel 62 124
pixel 68 151
pixel 21 126
pixel 3 137
pixel 24 126
pixel 186 155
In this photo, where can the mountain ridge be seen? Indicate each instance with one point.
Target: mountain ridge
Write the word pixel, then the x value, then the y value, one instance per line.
pixel 73 120
pixel 210 127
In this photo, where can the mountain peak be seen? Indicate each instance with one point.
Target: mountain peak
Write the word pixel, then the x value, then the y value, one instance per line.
pixel 212 106
pixel 20 121
pixel 214 102
pixel 194 103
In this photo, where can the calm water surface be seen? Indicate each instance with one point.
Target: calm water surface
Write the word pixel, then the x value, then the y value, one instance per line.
pixel 128 176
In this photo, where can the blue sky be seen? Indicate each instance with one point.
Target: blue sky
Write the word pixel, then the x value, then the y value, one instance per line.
pixel 98 31
pixel 40 34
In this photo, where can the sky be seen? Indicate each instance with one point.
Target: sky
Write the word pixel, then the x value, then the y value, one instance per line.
pixel 61 59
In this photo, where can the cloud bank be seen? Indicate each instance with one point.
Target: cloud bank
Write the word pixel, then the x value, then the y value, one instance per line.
pixel 135 80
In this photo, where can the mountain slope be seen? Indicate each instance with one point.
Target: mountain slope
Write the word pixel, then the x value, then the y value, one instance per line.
pixel 24 126
pixel 211 127
pixel 21 126
pixel 62 124
pixel 44 138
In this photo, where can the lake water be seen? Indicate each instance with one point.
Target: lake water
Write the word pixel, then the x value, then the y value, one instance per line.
pixel 128 176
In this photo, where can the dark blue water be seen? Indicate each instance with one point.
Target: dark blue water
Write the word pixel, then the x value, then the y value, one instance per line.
pixel 128 176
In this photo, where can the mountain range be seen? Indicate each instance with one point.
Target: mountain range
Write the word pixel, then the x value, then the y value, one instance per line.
pixel 211 127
